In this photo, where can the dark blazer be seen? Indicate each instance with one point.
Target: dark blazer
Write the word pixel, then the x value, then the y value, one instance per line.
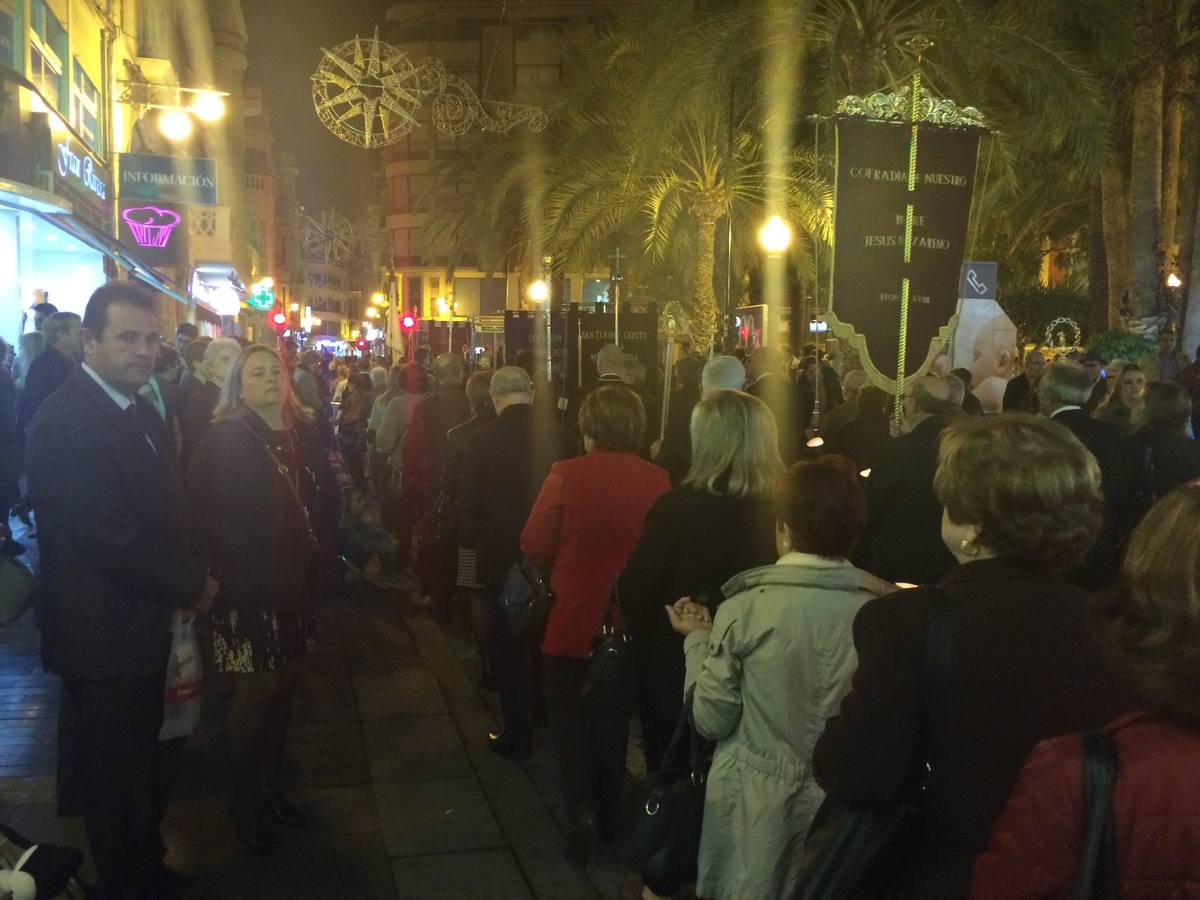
pixel 903 540
pixel 424 443
pixel 197 401
pixel 455 451
pixel 862 438
pixel 253 531
pixel 782 397
pixel 46 375
pixel 1114 453
pixel 1024 669
pixel 692 543
pixel 832 390
pixel 11 443
pixel 505 465
pixel 117 551
pixel 1163 461
pixel 675 454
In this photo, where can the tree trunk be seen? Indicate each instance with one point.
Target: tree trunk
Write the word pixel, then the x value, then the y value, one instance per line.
pixel 1116 236
pixel 1173 140
pixel 1145 189
pixel 704 307
pixel 1098 305
pixel 1191 317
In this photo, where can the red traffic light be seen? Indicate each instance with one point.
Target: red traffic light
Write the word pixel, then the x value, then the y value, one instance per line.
pixel 408 322
pixel 279 318
pixel 361 343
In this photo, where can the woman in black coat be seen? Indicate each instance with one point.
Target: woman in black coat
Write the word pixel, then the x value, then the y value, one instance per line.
pixel 1022 502
pixel 261 488
pixel 1165 456
pixel 719 522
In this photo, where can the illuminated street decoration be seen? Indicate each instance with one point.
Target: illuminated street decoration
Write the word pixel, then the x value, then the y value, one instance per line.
pixel 151 225
pixel 368 93
pixel 328 237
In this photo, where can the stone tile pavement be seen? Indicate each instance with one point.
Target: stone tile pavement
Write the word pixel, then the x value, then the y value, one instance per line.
pixel 386 749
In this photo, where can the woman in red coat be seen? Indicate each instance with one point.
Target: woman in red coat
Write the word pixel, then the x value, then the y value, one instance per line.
pixel 583 528
pixel 1150 631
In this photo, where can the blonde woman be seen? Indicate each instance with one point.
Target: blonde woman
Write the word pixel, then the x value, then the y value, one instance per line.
pixel 1123 405
pixel 261 490
pixel 718 522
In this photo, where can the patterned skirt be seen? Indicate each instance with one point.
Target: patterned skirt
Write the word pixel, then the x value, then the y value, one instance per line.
pixel 249 641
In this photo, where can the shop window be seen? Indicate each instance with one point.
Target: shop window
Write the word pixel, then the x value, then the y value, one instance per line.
pixel 86 109
pixel 47 51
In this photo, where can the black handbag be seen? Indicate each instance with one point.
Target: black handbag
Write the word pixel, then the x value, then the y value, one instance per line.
pixel 665 845
pixel 610 685
pixel 1096 878
pixel 856 854
pixel 526 600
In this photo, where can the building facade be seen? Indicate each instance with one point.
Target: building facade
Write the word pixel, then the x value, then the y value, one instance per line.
pixel 511 55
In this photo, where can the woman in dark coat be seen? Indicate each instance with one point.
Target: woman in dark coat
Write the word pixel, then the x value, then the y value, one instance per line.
pixel 1165 456
pixel 1149 630
pixel 260 486
pixel 719 522
pixel 1022 502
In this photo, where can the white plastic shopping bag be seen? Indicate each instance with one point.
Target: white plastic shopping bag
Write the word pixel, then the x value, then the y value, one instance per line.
pixel 184 682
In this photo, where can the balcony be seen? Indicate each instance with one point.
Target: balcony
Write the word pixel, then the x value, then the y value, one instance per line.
pixel 263 184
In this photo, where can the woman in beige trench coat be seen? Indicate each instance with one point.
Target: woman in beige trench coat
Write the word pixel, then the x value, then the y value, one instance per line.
pixel 766 674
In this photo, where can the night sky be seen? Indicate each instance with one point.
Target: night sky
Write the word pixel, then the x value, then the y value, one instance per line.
pixel 285 49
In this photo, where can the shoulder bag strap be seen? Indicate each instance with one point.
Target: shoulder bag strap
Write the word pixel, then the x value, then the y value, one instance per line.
pixel 1096 876
pixel 292 485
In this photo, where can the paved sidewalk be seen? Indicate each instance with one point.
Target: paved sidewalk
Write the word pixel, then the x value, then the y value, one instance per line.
pixel 387 748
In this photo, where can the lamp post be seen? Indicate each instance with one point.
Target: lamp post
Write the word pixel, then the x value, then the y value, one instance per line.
pixel 775 237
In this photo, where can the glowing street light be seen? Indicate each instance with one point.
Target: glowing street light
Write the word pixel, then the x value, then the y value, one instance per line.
pixel 775 236
pixel 209 106
pixel 175 125
pixel 379 299
pixel 372 312
pixel 539 291
pixel 1173 281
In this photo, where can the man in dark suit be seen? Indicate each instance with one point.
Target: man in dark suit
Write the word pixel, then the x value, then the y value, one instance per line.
pixel 117 561
pixel 52 367
pixel 770 384
pixel 1020 394
pixel 507 460
pixel 903 540
pixel 1063 395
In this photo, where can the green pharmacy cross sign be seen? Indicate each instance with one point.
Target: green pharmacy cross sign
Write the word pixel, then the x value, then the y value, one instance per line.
pixel 262 297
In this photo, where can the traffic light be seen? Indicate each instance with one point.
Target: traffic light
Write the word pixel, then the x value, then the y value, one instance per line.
pixel 361 343
pixel 408 322
pixel 280 318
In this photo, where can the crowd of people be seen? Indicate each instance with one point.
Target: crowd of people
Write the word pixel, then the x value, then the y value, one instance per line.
pixel 780 555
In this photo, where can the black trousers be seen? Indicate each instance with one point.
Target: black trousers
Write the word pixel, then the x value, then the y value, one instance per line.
pixel 590 750
pixel 510 666
pixel 258 720
pixel 124 777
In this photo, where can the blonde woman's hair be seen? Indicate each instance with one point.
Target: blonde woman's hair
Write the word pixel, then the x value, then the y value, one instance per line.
pixel 231 403
pixel 735 446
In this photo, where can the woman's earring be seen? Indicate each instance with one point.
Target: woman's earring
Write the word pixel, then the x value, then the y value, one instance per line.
pixel 968 548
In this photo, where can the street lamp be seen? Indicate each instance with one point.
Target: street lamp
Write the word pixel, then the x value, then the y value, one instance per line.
pixel 209 106
pixel 379 299
pixel 539 291
pixel 372 312
pixel 175 125
pixel 775 236
pixel 1173 281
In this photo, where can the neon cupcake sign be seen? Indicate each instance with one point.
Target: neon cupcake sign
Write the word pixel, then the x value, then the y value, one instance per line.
pixel 151 225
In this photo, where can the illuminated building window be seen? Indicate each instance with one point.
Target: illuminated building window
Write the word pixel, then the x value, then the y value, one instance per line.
pixel 47 50
pixel 86 109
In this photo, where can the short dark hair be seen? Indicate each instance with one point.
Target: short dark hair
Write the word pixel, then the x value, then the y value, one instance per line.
pixel 95 316
pixel 526 359
pixel 168 357
pixel 45 309
pixel 689 370
pixel 824 506
pixel 1168 407
pixel 614 418
pixel 963 375
pixel 188 328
